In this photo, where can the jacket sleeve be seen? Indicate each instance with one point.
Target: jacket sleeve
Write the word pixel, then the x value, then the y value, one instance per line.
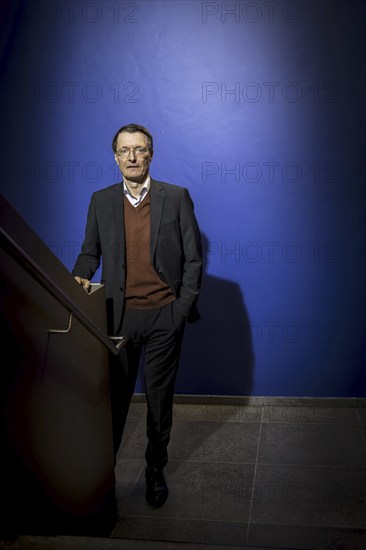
pixel 88 260
pixel 192 268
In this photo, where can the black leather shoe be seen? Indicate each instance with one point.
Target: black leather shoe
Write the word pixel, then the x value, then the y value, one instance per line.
pixel 156 487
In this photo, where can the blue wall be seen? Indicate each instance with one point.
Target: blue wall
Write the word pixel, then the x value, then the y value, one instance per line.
pixel 258 108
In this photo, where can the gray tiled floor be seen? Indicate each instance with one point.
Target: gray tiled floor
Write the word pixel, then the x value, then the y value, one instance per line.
pixel 256 474
pixel 266 474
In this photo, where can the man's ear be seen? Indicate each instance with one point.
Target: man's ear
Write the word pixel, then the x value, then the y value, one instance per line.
pixel 115 158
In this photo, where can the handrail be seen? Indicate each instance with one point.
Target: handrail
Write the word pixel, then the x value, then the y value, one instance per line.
pixel 25 261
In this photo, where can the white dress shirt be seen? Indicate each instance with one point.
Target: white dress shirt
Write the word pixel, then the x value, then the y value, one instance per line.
pixel 144 189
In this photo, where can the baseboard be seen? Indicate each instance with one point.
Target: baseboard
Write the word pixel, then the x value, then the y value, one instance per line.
pixel 344 402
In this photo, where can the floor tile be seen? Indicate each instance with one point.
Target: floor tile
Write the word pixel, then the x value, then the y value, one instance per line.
pixel 127 472
pixel 310 496
pixel 214 441
pixel 199 491
pixel 218 413
pixel 362 415
pixel 317 444
pixel 294 414
pixel 134 441
pixel 307 538
pixel 136 412
pixel 222 534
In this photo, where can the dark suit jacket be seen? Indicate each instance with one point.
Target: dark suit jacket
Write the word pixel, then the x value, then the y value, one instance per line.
pixel 175 246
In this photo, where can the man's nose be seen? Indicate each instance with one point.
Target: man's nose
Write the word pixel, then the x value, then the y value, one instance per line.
pixel 131 155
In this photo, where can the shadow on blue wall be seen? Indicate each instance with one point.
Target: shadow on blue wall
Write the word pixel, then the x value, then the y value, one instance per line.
pixel 217 356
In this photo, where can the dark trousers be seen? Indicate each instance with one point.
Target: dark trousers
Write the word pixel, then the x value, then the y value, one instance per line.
pixel 158 333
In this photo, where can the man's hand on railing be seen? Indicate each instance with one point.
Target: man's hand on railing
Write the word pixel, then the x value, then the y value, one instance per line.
pixel 85 283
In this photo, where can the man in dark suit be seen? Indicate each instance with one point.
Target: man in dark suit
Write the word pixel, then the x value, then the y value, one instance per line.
pixel 147 236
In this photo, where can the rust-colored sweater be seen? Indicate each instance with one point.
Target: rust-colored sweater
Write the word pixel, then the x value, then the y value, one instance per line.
pixel 144 288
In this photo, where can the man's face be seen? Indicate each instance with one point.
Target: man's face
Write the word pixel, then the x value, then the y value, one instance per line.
pixel 133 156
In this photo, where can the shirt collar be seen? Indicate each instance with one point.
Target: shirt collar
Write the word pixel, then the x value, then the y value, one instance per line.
pixel 144 189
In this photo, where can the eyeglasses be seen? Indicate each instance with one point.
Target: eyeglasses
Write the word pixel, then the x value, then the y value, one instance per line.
pixel 138 151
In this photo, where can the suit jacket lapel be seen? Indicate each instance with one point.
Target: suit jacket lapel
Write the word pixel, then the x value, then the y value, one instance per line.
pixel 118 214
pixel 156 209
